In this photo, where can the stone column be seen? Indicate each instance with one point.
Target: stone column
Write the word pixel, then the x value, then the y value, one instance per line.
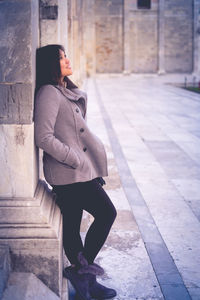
pixel 89 37
pixel 161 37
pixel 30 221
pixel 53 22
pixel 126 38
pixel 196 41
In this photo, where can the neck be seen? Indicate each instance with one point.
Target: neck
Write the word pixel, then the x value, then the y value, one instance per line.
pixel 62 82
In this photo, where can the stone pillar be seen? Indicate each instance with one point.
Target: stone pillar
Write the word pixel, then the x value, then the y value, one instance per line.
pixel 75 49
pixel 30 221
pixel 89 37
pixel 161 37
pixel 196 41
pixel 126 37
pixel 53 22
pixel 63 23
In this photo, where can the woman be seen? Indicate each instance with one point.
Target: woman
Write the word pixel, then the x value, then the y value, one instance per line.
pixel 74 162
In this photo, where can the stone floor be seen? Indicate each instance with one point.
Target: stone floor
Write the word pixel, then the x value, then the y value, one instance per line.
pixel 151 131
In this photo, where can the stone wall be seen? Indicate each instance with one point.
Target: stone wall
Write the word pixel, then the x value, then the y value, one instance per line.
pixel 161 39
pixel 75 48
pixel 19 39
pixel 143 38
pixel 116 36
pixel 196 41
pixel 31 223
pixel 178 35
pixel 61 22
pixel 109 35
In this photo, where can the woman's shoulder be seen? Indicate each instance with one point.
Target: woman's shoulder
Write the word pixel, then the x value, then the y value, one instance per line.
pixel 47 91
pixel 47 88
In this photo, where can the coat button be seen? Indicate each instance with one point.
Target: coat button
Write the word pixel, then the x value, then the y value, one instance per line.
pixel 77 110
pixel 84 149
pixel 82 129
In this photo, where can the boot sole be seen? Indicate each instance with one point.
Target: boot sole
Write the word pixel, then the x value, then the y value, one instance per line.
pixel 105 297
pixel 109 297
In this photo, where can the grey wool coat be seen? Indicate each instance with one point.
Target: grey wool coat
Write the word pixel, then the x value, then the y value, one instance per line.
pixel 72 153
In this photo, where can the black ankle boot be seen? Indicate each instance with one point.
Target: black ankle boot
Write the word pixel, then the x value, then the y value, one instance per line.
pixel 80 282
pixel 79 276
pixel 98 291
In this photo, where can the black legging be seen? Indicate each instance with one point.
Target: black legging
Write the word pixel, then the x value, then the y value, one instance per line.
pixel 72 200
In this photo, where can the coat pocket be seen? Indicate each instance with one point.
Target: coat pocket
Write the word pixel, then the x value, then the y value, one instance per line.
pixel 73 159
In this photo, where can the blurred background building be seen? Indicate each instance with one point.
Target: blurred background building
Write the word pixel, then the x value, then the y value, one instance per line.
pixel 130 36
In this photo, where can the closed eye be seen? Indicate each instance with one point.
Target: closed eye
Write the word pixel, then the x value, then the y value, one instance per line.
pixel 62 57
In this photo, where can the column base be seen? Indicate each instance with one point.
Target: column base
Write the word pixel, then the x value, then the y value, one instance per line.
pixel 32 228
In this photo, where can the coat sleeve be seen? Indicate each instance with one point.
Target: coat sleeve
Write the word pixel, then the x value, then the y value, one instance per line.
pixel 45 114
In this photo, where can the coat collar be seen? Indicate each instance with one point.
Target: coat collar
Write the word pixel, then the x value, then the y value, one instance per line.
pixel 74 95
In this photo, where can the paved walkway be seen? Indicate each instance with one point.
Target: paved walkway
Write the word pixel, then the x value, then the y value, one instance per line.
pixel 151 131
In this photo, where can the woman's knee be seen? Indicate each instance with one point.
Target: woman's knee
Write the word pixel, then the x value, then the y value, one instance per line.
pixel 113 214
pixel 109 216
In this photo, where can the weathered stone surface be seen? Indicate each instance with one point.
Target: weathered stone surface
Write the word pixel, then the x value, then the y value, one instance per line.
pixel 31 223
pixel 161 39
pixel 53 22
pixel 16 105
pixel 152 125
pixel 18 160
pixel 48 2
pixel 49 32
pixel 19 39
pixel 109 40
pixel 109 47
pixel 5 267
pixel 36 244
pixel 75 46
pixel 178 36
pixel 143 42
pixel 89 37
pixel 26 286
pixel 15 32
pixel 196 44
pixel 23 213
pixel 104 7
pixel 49 12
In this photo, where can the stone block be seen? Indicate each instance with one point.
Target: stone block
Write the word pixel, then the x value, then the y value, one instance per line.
pixel 113 7
pixel 36 246
pixel 178 32
pixel 143 42
pixel 49 32
pixel 5 267
pixel 19 39
pixel 175 291
pixel 63 7
pixel 26 286
pixel 48 2
pixel 16 105
pixel 16 41
pixel 18 161
pixel 49 12
pixel 109 46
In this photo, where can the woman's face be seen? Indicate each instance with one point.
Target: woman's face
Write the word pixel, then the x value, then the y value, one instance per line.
pixel 65 67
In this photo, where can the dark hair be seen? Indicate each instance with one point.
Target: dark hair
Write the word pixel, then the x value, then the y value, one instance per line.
pixel 48 66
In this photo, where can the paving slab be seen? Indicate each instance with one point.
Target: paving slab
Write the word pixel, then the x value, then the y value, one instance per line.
pixel 151 133
pixel 26 286
pixel 151 130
